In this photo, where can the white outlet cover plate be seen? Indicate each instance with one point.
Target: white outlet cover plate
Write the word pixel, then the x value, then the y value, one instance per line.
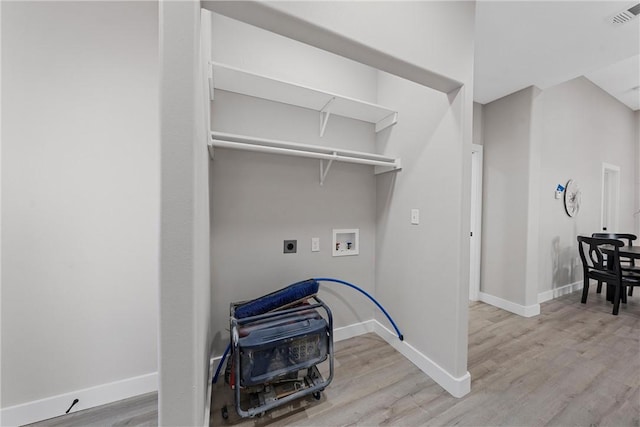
pixel 415 216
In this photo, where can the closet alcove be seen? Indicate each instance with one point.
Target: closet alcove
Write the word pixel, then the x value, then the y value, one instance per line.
pixel 304 142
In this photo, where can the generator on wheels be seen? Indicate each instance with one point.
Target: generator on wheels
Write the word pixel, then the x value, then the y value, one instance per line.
pixel 275 354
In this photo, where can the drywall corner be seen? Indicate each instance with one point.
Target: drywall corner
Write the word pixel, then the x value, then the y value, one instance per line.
pixel 533 208
pixel 185 298
pixel 456 386
pixel 519 309
pixel 507 225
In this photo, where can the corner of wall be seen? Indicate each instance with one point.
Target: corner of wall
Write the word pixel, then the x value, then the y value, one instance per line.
pixel 456 386
pixel 533 206
pixel 515 308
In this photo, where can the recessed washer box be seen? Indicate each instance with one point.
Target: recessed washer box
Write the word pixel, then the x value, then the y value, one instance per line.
pixel 346 241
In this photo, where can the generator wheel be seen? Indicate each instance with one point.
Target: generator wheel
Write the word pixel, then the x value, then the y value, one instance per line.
pixel 317 395
pixel 225 412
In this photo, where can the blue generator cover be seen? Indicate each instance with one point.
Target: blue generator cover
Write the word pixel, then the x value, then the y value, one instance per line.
pixel 275 347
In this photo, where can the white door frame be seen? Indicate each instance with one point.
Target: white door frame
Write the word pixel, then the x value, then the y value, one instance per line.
pixel 476 222
pixel 611 194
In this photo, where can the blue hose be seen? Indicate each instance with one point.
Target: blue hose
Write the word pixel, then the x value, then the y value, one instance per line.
pixel 342 282
pixel 324 279
pixel 224 356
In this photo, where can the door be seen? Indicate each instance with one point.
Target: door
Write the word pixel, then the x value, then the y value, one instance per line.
pixel 476 222
pixel 610 198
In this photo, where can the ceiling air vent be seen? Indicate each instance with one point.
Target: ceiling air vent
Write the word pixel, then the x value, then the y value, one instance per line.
pixel 626 15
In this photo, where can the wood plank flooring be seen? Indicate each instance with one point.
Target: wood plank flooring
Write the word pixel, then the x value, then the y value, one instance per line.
pixel 137 411
pixel 574 365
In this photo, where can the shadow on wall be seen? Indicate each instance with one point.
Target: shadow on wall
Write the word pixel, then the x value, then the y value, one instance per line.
pixel 565 263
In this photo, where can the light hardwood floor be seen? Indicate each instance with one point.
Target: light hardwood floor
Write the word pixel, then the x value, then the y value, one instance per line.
pixel 574 365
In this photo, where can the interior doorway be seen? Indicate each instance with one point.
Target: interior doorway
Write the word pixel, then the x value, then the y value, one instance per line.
pixel 609 212
pixel 476 222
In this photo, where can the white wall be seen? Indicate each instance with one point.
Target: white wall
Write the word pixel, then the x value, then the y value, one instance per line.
pixel 437 36
pixel 80 194
pixel 248 47
pixel 579 127
pixel 185 293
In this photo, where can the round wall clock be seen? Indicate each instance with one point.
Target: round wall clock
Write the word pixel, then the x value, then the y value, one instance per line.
pixel 572 197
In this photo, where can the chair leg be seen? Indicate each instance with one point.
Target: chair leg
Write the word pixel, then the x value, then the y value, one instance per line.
pixel 609 293
pixel 585 291
pixel 616 300
pixel 599 288
pixel 630 291
pixel 623 294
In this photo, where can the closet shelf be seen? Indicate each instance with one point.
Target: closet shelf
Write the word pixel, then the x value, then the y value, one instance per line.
pixel 249 143
pixel 236 80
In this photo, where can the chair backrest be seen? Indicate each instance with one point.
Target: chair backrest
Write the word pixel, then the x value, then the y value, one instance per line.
pixel 596 253
pixel 620 236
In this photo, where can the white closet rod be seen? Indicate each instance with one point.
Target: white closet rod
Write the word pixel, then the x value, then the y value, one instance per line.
pixel 301 153
pixel 307 148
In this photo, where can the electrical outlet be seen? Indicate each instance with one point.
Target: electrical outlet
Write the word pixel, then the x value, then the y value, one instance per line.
pixel 290 246
pixel 315 244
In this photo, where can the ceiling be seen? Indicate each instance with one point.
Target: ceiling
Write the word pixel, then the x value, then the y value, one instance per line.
pixel 544 43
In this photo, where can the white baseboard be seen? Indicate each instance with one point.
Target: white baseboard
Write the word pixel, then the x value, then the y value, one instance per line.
pixel 350 331
pixel 207 405
pixel 456 386
pixel 558 292
pixel 521 310
pixel 55 406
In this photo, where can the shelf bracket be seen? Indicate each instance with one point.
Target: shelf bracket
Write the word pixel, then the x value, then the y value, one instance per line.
pixel 397 166
pixel 211 83
pixel 324 115
pixel 390 120
pixel 323 171
pixel 210 146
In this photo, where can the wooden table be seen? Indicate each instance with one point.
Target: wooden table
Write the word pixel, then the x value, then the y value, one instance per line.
pixel 629 252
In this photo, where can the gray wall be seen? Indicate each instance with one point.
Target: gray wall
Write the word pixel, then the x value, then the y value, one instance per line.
pixel 416 265
pixel 579 126
pixel 259 200
pixel 437 36
pixel 447 28
pixel 533 141
pixel 637 175
pixel 507 127
pixel 478 124
pixel 80 195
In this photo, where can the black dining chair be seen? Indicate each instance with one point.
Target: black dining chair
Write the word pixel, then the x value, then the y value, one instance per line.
pixel 601 262
pixel 626 263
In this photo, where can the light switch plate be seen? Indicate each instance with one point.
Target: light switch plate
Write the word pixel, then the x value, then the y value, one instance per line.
pixel 415 216
pixel 315 244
